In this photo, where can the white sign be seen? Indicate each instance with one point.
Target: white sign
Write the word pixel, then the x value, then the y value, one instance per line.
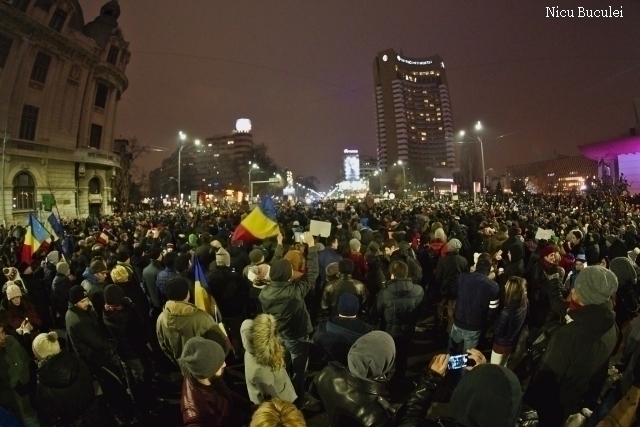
pixel 347 151
pixel 454 197
pixel 340 206
pixel 409 61
pixel 320 228
pixel 442 179
pixel 544 234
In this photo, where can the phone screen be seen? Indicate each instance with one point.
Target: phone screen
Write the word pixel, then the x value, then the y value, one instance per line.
pixel 457 362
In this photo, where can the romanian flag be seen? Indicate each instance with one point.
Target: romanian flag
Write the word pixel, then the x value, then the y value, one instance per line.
pixel 35 238
pixel 202 297
pixel 50 228
pixel 260 224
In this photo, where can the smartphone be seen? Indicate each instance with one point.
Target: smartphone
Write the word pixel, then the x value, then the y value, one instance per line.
pixel 457 362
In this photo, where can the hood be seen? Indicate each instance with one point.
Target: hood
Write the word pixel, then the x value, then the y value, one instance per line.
pixel 178 314
pixel 59 371
pixel 88 275
pixel 598 318
pixel 516 253
pixel 488 395
pixel 500 236
pixel 245 334
pixel 372 356
pixel 400 287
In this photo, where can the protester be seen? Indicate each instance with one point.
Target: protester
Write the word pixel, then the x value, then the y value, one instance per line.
pixel 510 320
pixel 345 283
pixel 446 278
pixel 277 413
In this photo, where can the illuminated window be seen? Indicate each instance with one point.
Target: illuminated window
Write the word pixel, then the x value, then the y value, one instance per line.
pixel 229 142
pixel 23 192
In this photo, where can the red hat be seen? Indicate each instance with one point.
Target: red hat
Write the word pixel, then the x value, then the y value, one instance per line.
pixel 547 250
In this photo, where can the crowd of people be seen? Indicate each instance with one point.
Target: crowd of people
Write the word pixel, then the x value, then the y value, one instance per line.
pixel 531 303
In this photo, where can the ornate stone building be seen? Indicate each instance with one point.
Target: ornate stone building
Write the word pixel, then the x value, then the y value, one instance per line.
pixel 60 83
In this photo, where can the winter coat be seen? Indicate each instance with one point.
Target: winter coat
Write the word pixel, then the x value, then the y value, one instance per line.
pixel 326 257
pixel 405 254
pixel 65 389
pixel 209 405
pixel 477 295
pixel 509 324
pixel 359 263
pixel 136 295
pixel 336 336
pixel 87 337
pixel 344 285
pixel 375 276
pixel 14 376
pixel 285 301
pixel 95 291
pixel 496 241
pixel 447 272
pixel 128 330
pixel 239 258
pixel 228 289
pixel 60 294
pixel 399 302
pixel 162 279
pixel 17 314
pixel 205 254
pixel 180 321
pixel 149 275
pixel 352 401
pixel 566 374
pixel 263 383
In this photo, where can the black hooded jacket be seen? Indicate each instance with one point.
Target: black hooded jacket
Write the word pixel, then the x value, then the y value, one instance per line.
pixel 65 389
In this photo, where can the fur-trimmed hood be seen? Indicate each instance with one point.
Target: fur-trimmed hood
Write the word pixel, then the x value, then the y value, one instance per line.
pixel 260 339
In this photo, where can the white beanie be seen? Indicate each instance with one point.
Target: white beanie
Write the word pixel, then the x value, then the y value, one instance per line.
pixel 45 345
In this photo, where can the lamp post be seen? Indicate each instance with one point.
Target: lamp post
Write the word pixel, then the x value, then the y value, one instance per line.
pixel 183 138
pixel 404 175
pixel 251 168
pixel 378 173
pixel 478 128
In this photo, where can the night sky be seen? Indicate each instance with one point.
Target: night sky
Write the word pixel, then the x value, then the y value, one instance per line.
pixel 301 70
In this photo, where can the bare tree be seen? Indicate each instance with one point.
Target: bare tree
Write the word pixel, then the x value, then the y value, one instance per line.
pixel 129 150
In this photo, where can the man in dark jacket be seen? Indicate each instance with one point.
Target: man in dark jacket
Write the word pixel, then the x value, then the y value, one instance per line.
pixel 447 272
pixel 149 276
pixel 205 252
pixel 345 284
pixel 477 299
pixel 630 238
pixel 327 256
pixel 88 340
pixel 403 252
pixel 337 334
pixel 357 394
pixel 511 240
pixel 574 366
pixel 399 303
pixel 60 292
pixel 284 299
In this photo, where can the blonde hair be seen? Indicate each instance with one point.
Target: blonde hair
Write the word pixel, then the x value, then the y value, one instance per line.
pixel 277 413
pixel 267 349
pixel 119 274
pixel 515 291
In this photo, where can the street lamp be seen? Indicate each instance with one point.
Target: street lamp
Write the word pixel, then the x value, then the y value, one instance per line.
pixel 478 127
pixel 378 173
pixel 251 168
pixel 183 138
pixel 404 175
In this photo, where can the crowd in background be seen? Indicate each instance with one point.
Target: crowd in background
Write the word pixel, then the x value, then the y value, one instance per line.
pixel 538 294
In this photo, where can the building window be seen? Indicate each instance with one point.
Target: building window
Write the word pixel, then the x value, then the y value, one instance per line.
pixel 57 20
pixel 29 122
pixel 102 92
pixel 94 185
pixel 5 48
pixel 96 136
pixel 21 5
pixel 23 192
pixel 41 68
pixel 112 57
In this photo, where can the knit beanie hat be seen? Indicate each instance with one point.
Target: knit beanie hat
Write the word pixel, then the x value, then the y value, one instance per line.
pixel 348 305
pixel 354 244
pixel 77 294
pixel 119 274
pixel 319 246
pixel 62 268
pixel 176 289
pixel 332 269
pixel 45 345
pixel 256 255
pixel 595 285
pixel 97 266
pixel 296 259
pixel 113 295
pixel 281 271
pixel 488 395
pixel 546 251
pixel 624 270
pixel 372 355
pixel 193 240
pixel 374 246
pixel 633 255
pixel 202 357
pixel 223 257
pixel 13 291
pixel 454 245
pixel 53 257
pixel 440 235
pixel 356 235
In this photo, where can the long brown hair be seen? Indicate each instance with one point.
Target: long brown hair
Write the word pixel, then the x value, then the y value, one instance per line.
pixel 515 292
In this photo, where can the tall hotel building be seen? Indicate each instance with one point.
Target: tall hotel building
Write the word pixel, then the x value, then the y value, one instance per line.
pixel 413 111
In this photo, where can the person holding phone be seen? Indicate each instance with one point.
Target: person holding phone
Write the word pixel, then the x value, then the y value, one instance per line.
pixel 487 396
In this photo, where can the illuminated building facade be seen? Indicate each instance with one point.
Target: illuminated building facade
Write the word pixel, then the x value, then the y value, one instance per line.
pixel 562 174
pixel 413 111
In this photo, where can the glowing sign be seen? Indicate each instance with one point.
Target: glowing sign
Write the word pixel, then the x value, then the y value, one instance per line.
pixel 243 125
pixel 384 58
pixel 351 165
pixel 350 151
pixel 411 62
pixel 442 179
